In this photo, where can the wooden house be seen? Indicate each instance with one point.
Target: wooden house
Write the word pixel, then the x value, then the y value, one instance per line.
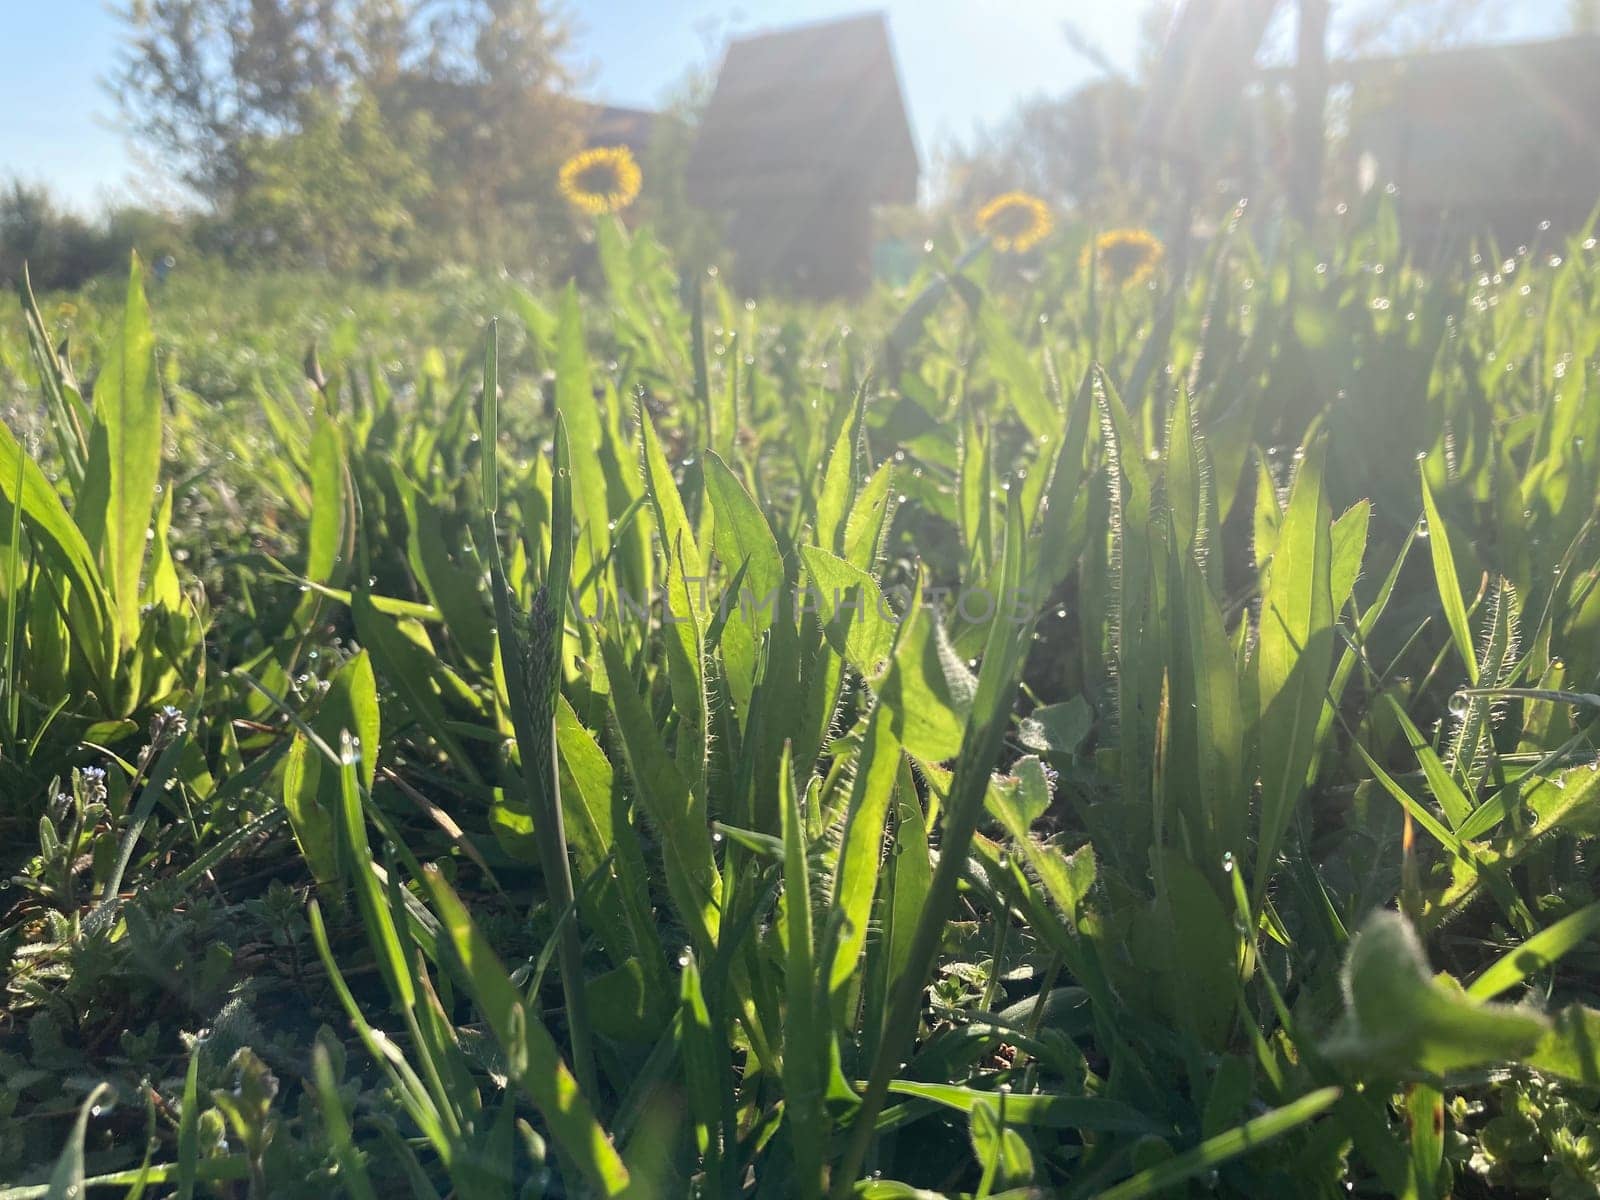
pixel 1484 139
pixel 806 131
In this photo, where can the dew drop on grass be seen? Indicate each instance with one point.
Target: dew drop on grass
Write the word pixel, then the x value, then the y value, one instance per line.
pixel 1459 704
pixel 1227 862
pixel 1422 530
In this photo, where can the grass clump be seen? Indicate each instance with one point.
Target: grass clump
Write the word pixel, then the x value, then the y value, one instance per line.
pixel 1040 735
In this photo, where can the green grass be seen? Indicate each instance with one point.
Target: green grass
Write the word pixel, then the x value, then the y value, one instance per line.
pixel 1016 737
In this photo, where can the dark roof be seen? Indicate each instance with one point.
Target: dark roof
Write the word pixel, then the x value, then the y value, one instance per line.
pixel 799 108
pixel 1579 49
pixel 1502 135
pixel 613 125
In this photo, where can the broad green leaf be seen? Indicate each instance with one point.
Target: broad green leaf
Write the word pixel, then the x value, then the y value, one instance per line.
pixel 1094 1114
pixel 1539 953
pixel 1472 740
pixel 376 914
pixel 602 839
pixel 855 617
pixel 62 544
pixel 1003 1156
pixel 1215 1151
pixel 804 1037
pixel 679 815
pixel 1268 514
pixel 838 490
pixel 1401 1019
pixel 314 829
pixel 410 670
pixel 936 687
pixel 67 1180
pixel 685 603
pixel 743 541
pixel 975 485
pixel 707 1077
pixel 1349 540
pixel 455 590
pixel 124 458
pixel 868 523
pixel 1018 379
pixel 1424 1109
pixel 531 1057
pixel 576 405
pixel 1186 482
pixel 860 852
pixel 1209 716
pixel 910 874
pixel 1444 574
pixel 1185 945
pixel 1004 654
pixel 1057 728
pixel 742 536
pixel 311 789
pixel 1446 791
pixel 336 1124
pixel 1572 1047
pixel 1294 655
pixel 325 533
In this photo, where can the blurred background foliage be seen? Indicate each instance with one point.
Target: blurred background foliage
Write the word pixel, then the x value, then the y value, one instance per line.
pixel 370 137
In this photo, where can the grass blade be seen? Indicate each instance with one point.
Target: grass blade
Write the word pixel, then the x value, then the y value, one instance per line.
pixel 1213 1152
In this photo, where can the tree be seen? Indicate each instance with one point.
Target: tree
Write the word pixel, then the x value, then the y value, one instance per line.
pixel 202 78
pixel 1073 151
pixel 491 78
pixel 59 248
pixel 338 194
pixel 237 94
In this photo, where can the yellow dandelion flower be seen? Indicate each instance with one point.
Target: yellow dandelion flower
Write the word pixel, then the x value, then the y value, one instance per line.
pixel 1015 222
pixel 1126 257
pixel 601 179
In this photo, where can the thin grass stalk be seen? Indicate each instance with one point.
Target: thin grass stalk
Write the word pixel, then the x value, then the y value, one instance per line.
pixel 533 680
pixel 11 670
pixel 986 729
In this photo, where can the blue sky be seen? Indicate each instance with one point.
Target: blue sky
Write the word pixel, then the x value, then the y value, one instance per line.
pixel 964 63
